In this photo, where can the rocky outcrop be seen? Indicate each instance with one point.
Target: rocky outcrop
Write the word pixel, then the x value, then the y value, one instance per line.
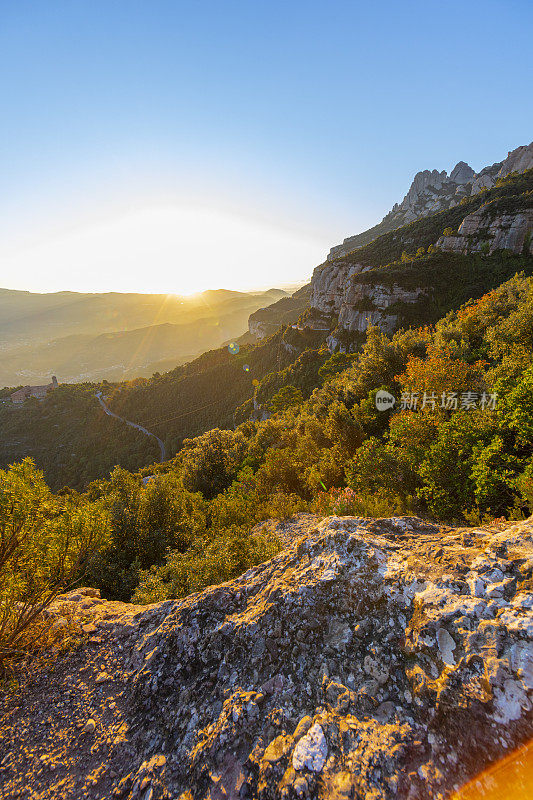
pixel 259 328
pixel 432 191
pixel 503 223
pixel 371 658
pixel 337 291
pixel 485 231
pixel 518 160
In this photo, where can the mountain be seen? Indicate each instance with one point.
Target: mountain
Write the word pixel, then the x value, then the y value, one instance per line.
pixel 433 191
pixel 326 591
pixel 409 277
pixel 363 661
pixel 417 272
pixel 114 336
pixel 265 321
pixel 27 317
pixel 388 282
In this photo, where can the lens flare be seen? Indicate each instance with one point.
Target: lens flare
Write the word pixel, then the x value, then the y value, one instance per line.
pixel 511 777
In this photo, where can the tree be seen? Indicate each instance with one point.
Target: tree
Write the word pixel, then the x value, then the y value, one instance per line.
pixel 337 363
pixel 448 483
pixel 440 371
pixel 211 461
pixel 287 397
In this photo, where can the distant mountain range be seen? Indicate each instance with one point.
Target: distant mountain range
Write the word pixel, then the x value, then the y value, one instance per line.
pixel 81 337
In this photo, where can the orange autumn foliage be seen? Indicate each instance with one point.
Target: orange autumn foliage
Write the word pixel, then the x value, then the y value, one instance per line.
pixel 441 372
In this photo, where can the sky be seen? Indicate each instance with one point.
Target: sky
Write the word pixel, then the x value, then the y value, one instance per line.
pixel 174 146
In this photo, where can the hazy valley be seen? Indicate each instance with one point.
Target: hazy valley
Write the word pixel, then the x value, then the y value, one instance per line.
pixel 112 336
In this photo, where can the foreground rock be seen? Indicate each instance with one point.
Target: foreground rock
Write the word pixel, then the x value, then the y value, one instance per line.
pixel 370 659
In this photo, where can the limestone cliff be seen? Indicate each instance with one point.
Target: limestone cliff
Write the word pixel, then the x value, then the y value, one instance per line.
pixel 336 291
pixel 486 231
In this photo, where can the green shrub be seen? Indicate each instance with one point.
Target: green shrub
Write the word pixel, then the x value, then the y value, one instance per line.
pixel 230 554
pixel 144 523
pixel 45 544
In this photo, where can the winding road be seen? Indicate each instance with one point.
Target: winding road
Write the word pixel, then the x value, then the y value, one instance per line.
pixel 110 413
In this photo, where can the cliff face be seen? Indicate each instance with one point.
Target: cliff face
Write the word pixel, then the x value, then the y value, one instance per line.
pixel 335 290
pixel 433 191
pixel 265 321
pixel 384 658
pixel 485 231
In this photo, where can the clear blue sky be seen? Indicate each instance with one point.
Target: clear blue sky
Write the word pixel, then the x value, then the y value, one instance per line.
pixel 307 117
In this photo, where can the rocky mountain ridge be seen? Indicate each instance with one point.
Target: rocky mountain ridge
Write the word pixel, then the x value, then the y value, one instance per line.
pixel 432 191
pixel 353 291
pixel 384 658
pixel 485 231
pixel 335 291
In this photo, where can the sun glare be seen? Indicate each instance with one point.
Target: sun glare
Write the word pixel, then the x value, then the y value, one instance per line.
pixel 173 249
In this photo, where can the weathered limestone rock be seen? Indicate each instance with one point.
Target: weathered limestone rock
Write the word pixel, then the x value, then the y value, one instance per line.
pixel 358 662
pixel 311 751
pixel 336 290
pixel 482 231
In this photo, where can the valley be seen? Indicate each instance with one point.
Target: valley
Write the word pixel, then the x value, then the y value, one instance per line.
pixel 114 336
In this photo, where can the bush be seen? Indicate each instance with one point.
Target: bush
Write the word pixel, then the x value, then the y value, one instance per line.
pixel 347 502
pixel 209 562
pixel 45 544
pixel 286 397
pixel 144 523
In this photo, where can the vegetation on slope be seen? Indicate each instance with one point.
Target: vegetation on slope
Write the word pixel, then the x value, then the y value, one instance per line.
pixel 463 450
pixel 70 438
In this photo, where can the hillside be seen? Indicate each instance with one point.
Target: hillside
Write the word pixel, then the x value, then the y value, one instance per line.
pixel 371 658
pixel 176 405
pixel 114 336
pixel 122 355
pixel 70 438
pixel 265 321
